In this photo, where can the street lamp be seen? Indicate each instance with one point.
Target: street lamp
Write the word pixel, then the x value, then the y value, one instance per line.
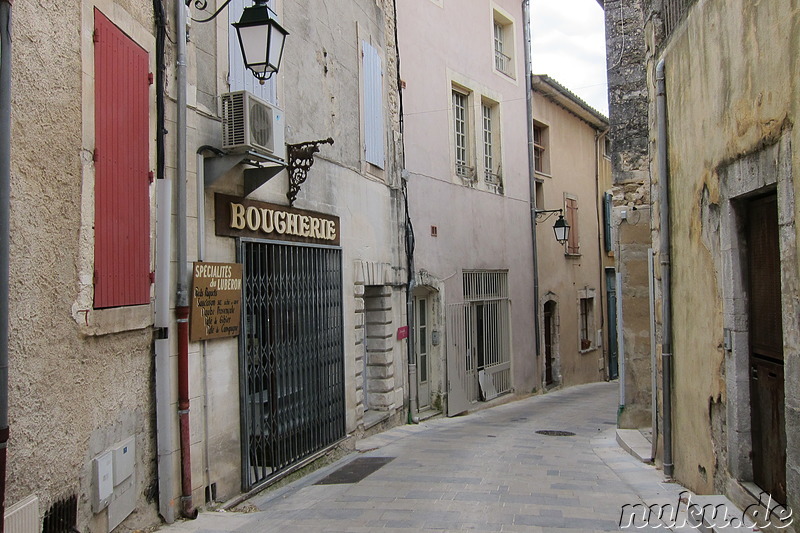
pixel 261 39
pixel 560 228
pixel 260 36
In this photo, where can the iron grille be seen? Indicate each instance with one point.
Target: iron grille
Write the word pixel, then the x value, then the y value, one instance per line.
pixel 62 517
pixel 674 11
pixel 291 355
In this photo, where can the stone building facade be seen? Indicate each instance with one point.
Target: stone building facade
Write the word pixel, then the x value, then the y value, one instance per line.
pixel 96 425
pixel 731 159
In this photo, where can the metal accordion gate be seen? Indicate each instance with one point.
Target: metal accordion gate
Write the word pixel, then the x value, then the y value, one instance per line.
pixel 291 355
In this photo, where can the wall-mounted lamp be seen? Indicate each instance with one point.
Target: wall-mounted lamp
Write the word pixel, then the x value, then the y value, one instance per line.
pixel 560 228
pixel 260 37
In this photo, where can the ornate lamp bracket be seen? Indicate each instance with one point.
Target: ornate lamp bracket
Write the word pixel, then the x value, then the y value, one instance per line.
pixel 299 159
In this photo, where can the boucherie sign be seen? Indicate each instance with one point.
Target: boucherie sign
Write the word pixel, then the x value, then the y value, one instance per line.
pixel 240 217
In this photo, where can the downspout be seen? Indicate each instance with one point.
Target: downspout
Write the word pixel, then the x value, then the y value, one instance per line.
pixel 182 294
pixel 526 25
pixel 5 203
pixel 664 248
pixel 413 403
pixel 163 369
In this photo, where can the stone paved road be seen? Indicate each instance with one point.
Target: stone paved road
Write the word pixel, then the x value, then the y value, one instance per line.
pixel 488 471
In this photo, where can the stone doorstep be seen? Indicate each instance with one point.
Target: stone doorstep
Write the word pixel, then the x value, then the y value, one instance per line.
pixel 633 442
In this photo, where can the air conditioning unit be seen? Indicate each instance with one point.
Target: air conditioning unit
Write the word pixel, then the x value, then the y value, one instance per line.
pixel 251 124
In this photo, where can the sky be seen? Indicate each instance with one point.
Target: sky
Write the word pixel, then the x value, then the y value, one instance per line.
pixel 569 46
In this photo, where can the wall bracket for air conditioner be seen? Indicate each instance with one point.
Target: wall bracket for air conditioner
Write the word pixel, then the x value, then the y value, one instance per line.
pixel 261 168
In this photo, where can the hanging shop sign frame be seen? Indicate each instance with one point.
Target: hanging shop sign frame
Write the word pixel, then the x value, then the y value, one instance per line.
pixel 241 217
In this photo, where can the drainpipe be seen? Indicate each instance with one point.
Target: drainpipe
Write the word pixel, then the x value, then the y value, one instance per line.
pixel 5 202
pixel 413 404
pixel 666 303
pixel 163 369
pixel 526 25
pixel 182 295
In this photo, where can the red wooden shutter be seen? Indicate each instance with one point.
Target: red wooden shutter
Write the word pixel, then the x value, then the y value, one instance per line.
pixel 122 185
pixel 572 219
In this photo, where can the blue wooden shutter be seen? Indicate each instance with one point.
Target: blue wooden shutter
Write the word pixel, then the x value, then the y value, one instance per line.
pixel 122 160
pixel 240 78
pixel 373 106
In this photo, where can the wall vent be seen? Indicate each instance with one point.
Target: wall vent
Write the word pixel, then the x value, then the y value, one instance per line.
pixel 23 516
pixel 62 517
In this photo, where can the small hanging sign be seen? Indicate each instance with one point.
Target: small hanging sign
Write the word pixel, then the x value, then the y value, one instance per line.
pixel 216 303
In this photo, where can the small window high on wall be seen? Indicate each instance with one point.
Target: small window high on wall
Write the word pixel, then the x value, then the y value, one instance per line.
pixel 122 172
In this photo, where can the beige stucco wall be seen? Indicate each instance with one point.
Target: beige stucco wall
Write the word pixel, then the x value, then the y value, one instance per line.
pixel 731 74
pixel 477 229
pixel 75 387
pixel 572 155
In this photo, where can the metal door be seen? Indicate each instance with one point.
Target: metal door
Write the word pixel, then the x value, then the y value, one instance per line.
pixel 422 352
pixel 611 303
pixel 766 347
pixel 291 355
pixel 460 364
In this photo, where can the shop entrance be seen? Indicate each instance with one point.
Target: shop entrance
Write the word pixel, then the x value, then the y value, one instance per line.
pixel 291 355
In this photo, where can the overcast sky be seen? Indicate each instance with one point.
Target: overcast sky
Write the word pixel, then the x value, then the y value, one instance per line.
pixel 569 45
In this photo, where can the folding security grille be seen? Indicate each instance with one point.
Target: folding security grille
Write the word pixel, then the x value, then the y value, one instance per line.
pixel 479 335
pixel 291 356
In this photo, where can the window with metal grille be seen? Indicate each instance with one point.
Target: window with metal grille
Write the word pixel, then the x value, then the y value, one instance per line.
pixel 122 173
pixel 485 284
pixel 573 242
pixel 491 169
pixel 503 44
pixel 461 134
pixel 586 322
pixel 674 11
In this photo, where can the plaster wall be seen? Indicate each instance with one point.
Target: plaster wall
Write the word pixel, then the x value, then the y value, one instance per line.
pixel 475 228
pixel 79 379
pixel 731 90
pixel 572 152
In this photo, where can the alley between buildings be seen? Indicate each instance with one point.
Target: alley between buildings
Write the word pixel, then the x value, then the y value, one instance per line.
pixel 488 471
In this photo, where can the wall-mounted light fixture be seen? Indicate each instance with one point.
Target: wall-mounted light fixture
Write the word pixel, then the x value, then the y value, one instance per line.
pixel 260 37
pixel 560 228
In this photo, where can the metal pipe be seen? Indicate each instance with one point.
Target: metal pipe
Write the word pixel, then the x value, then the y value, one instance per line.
pixel 5 203
pixel 664 249
pixel 182 294
pixel 526 25
pixel 653 366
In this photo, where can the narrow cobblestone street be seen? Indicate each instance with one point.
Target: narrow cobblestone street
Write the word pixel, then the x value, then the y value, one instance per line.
pixel 488 471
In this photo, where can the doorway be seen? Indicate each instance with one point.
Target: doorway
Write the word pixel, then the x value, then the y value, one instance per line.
pixel 611 303
pixel 549 342
pixel 766 346
pixel 422 352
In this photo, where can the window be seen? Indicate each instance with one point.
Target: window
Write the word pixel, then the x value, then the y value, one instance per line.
pixel 372 90
pixel 573 243
pixel 540 194
pixel 239 78
pixel 461 135
pixel 607 229
pixel 539 155
pixel 503 33
pixel 607 146
pixel 586 322
pixel 122 168
pixel 491 147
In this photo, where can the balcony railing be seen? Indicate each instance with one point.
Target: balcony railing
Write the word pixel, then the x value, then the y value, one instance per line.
pixel 502 62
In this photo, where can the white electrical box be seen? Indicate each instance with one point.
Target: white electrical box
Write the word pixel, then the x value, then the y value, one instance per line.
pixel 124 459
pixel 103 471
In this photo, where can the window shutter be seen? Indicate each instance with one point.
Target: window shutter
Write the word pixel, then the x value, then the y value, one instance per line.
pixel 607 221
pixel 122 160
pixel 573 244
pixel 373 106
pixel 239 78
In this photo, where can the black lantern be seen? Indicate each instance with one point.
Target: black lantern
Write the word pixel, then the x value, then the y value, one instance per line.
pixel 561 229
pixel 261 39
